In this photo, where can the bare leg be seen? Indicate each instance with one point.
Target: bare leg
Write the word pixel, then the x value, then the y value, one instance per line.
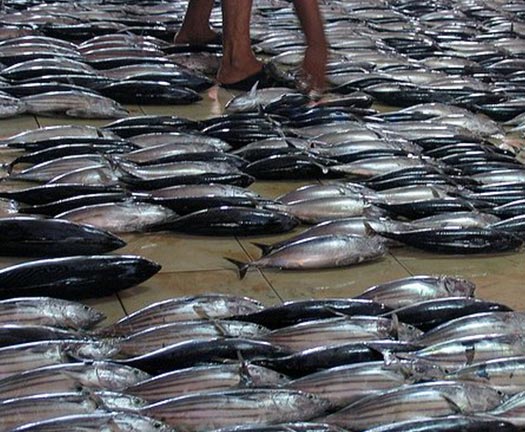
pixel 196 28
pixel 238 61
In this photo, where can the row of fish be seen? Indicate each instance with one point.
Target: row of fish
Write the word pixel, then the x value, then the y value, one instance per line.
pixel 223 362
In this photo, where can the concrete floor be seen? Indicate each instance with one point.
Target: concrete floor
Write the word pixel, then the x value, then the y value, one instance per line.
pixel 195 264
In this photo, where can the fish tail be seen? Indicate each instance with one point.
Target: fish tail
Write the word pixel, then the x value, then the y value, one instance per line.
pixel 241 266
pixel 264 248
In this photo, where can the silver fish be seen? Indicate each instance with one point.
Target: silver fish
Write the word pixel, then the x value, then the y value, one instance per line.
pixel 61 131
pixel 157 337
pixel 377 166
pixel 90 175
pixel 70 377
pixel 49 311
pixel 406 291
pixel 11 106
pixel 458 353
pixel 74 104
pixel 211 378
pixel 324 209
pixel 150 154
pixel 327 251
pixel 97 422
pixel 154 139
pixel 336 331
pixel 259 98
pixel 128 216
pixel 201 412
pixel 19 358
pixel 183 309
pixel 332 190
pixel 344 385
pixel 506 374
pixel 512 410
pixel 48 170
pixel 475 325
pixel 462 219
pixel 439 399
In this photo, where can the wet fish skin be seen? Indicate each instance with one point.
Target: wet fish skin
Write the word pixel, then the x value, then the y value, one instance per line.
pixel 199 379
pixel 49 311
pixel 128 421
pixel 450 424
pixel 474 325
pixel 47 132
pixel 35 237
pixel 319 252
pixel 336 331
pixel 93 275
pixel 16 359
pixel 443 398
pixel 70 377
pixel 187 354
pixel 11 106
pixel 213 306
pixel 406 291
pixel 317 359
pixel 295 312
pixel 511 410
pixel 192 413
pixel 229 220
pixel 428 314
pixel 119 217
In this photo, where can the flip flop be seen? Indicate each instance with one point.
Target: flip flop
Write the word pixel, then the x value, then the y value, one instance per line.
pixel 263 78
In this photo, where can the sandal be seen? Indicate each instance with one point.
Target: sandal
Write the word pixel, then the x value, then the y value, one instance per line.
pixel 263 79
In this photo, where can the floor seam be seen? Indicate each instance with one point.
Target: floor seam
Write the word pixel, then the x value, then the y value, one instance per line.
pixel 261 273
pixel 401 264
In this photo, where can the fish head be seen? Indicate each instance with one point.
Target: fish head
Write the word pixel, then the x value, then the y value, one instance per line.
pixel 458 287
pixel 245 306
pixel 116 377
pixel 419 369
pixel 82 315
pixel 110 400
pixel 407 332
pixel 259 376
pixel 100 349
pixel 124 422
pixel 472 398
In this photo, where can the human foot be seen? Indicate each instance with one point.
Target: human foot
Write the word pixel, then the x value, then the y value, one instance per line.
pixel 205 37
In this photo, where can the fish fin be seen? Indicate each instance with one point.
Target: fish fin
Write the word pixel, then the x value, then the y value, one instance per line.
pixel 244 372
pixel 264 248
pixel 241 266
pixel 369 231
pixel 457 409
pixel 395 326
pixel 336 312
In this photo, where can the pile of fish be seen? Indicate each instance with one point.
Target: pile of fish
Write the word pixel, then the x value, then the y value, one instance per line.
pixel 415 354
pixel 385 182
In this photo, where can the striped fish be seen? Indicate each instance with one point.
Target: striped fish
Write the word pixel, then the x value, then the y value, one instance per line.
pixel 210 378
pixel 202 412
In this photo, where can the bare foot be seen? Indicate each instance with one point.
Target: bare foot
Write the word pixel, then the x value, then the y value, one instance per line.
pixel 201 37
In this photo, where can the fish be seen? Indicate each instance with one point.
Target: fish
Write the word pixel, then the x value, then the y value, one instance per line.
pixel 32 409
pixel 120 421
pixel 429 314
pixel 457 353
pixel 13 333
pixel 11 106
pixel 214 410
pixel 47 132
pixel 35 237
pixel 327 251
pixel 260 98
pixel 510 410
pixel 73 104
pixel 46 193
pixel 198 352
pixel 169 138
pixel 457 240
pixel 150 92
pixel 318 210
pixel 230 220
pixel 505 374
pixel 46 171
pixel 282 427
pixel 49 312
pixel 119 217
pixel 297 311
pixel 75 277
pixel 331 190
pixel 70 377
pixel 465 423
pixel 340 330
pixel 209 378
pixel 441 399
pixel 157 337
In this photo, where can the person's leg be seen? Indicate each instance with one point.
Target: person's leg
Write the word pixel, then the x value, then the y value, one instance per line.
pixel 196 28
pixel 238 61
